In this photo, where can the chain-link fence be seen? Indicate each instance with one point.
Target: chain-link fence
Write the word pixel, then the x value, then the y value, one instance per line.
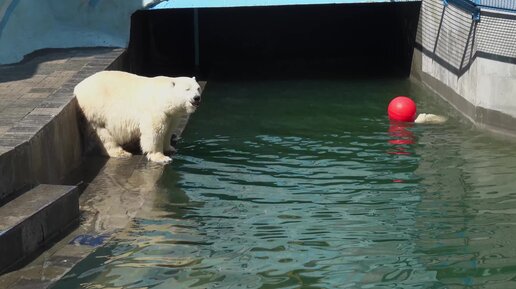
pixel 453 37
pixel 507 5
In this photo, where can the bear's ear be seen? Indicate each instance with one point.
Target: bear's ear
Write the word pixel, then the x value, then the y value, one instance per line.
pixel 193 78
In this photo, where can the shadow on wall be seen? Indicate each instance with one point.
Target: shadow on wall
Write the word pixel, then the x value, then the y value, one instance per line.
pixel 349 39
pixel 46 61
pixel 27 26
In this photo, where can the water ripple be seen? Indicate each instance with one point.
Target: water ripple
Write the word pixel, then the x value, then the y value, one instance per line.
pixel 306 195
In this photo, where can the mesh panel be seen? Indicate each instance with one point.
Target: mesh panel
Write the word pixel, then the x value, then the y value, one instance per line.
pixel 497 36
pixel 496 4
pixel 431 14
pixel 451 37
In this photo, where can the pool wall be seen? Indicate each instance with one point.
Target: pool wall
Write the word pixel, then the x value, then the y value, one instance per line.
pixel 338 38
pixel 471 64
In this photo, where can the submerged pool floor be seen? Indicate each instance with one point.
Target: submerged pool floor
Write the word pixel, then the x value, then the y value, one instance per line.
pixel 306 184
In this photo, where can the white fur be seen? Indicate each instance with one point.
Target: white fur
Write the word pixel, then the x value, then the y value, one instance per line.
pixel 122 107
pixel 430 118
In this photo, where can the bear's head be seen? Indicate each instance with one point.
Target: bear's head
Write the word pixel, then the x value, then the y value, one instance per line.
pixel 188 92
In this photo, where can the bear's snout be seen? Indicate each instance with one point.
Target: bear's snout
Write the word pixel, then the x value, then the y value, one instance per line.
pixel 196 100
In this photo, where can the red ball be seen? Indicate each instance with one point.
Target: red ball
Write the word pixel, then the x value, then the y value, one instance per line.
pixel 402 108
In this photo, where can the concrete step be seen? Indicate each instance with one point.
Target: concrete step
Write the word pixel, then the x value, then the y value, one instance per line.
pixel 34 220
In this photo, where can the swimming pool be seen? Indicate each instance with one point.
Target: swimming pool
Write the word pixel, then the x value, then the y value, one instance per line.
pixel 305 184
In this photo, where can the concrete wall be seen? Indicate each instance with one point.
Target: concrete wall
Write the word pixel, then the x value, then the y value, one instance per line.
pixel 343 38
pixel 26 26
pixel 470 64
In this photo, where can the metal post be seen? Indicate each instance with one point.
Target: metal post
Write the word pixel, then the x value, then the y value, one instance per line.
pixel 196 38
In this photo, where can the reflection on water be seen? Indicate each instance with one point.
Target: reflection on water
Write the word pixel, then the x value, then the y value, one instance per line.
pixel 401 137
pixel 117 193
pixel 306 184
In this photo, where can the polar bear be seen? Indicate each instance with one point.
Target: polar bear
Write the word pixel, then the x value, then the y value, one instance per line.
pixel 121 108
pixel 430 118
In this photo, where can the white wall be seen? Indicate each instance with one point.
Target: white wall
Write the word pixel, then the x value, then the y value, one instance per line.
pixel 29 25
pixel 488 83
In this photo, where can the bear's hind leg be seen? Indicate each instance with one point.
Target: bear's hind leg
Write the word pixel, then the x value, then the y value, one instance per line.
pixel 112 148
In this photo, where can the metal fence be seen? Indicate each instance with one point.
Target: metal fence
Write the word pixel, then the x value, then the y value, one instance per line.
pixel 476 7
pixel 453 38
pixel 506 5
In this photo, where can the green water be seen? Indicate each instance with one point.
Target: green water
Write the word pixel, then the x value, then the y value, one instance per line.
pixel 305 184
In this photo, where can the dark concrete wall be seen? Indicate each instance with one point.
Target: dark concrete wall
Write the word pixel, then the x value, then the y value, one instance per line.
pixel 345 38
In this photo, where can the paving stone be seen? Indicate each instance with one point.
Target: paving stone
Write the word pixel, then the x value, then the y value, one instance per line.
pixel 19 130
pixel 61 97
pixel 43 89
pixel 45 111
pixel 5 141
pixel 4 149
pixel 36 119
pixel 63 93
pixel 51 104
pixel 23 103
pixel 97 64
pixel 68 85
pixel 7 118
pixel 5 121
pixel 34 95
pixel 83 74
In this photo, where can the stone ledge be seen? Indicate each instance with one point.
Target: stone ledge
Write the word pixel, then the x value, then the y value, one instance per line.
pixel 45 144
pixel 34 220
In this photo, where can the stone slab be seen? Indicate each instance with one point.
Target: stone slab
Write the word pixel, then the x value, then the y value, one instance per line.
pixel 34 220
pixel 115 192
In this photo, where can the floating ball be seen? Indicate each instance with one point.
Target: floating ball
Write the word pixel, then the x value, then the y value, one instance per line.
pixel 402 108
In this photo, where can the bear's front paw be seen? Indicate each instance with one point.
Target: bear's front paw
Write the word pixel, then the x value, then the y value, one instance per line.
pixel 158 158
